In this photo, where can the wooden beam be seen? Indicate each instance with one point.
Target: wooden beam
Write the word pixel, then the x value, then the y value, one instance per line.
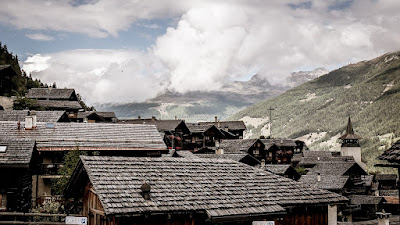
pixel 96 211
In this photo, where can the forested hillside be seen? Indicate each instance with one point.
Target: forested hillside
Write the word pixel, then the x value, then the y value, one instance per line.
pixel 317 111
pixel 19 83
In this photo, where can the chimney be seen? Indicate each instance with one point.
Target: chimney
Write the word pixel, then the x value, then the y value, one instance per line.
pixel 145 188
pixel 383 218
pixel 219 151
pixel 153 118
pixel 28 122
pixel 319 177
pixel 176 118
pixel 139 117
pixel 219 124
pixel 216 119
pixel 318 158
pixel 262 163
pixel 33 114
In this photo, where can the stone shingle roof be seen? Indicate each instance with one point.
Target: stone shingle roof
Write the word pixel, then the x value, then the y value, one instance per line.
pixel 279 169
pixel 58 104
pixel 234 157
pixel 162 125
pixel 232 125
pixel 50 93
pixel 392 154
pixel 220 187
pixel 88 136
pixel 364 199
pixel 327 182
pixel 392 220
pixel 82 115
pixel 279 142
pixel 236 145
pixel 41 116
pixel 315 157
pixel 197 128
pixel 18 152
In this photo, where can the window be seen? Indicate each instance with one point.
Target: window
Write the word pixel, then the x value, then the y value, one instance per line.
pixel 3 148
pixel 256 152
pixel 270 154
pixel 3 201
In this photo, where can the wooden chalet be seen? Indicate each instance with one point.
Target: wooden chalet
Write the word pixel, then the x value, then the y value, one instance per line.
pixel 175 132
pixel 272 151
pixel 94 117
pixel 205 138
pixel 345 177
pixel 54 140
pixel 170 190
pixel 55 99
pixel 17 165
pixel 41 116
pixel 7 76
pixel 236 128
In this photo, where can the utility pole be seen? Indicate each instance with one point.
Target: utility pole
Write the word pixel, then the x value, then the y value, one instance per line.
pixel 270 122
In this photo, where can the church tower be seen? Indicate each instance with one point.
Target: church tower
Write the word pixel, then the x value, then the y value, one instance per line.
pixel 351 145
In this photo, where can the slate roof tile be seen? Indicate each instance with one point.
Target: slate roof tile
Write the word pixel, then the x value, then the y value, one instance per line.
pixel 221 187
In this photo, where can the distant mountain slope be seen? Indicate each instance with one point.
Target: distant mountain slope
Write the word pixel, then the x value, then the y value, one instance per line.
pixel 204 105
pixel 317 111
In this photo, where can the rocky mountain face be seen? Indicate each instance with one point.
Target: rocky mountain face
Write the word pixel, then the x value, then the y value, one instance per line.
pixel 301 77
pixel 317 111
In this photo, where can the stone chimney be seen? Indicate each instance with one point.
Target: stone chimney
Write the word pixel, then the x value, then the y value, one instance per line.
pixel 34 120
pixel 219 124
pixel 319 177
pixel 383 218
pixel 153 118
pixel 262 163
pixel 216 119
pixel 176 118
pixel 139 117
pixel 145 188
pixel 28 122
pixel 219 151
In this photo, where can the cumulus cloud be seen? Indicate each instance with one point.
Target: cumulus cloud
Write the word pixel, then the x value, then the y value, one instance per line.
pixel 101 75
pixel 213 42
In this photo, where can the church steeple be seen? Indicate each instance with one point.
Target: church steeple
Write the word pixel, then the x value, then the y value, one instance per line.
pixel 350 139
pixel 351 145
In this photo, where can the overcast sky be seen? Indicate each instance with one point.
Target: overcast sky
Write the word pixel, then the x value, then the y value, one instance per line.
pixel 125 51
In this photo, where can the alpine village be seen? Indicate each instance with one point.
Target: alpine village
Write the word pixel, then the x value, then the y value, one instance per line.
pixel 62 161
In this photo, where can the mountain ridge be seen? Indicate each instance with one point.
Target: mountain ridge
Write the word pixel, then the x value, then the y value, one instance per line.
pixel 317 111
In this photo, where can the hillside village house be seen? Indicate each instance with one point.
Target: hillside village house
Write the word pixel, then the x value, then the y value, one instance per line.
pixel 54 140
pixel 41 116
pixel 392 156
pixel 94 117
pixel 180 190
pixel 175 132
pixel 55 99
pixel 272 151
pixel 17 164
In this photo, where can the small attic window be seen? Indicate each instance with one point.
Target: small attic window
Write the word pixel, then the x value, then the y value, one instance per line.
pixel 50 125
pixel 3 148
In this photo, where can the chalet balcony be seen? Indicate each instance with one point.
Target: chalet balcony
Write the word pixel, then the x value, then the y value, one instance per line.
pixel 51 168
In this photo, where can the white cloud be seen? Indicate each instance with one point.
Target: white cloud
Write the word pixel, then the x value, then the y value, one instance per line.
pixel 214 41
pixel 39 37
pixel 100 75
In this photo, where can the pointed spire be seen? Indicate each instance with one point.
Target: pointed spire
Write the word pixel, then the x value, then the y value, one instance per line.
pixel 349 129
pixel 349 132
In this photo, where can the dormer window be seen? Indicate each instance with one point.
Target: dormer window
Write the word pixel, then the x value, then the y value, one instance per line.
pixel 3 148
